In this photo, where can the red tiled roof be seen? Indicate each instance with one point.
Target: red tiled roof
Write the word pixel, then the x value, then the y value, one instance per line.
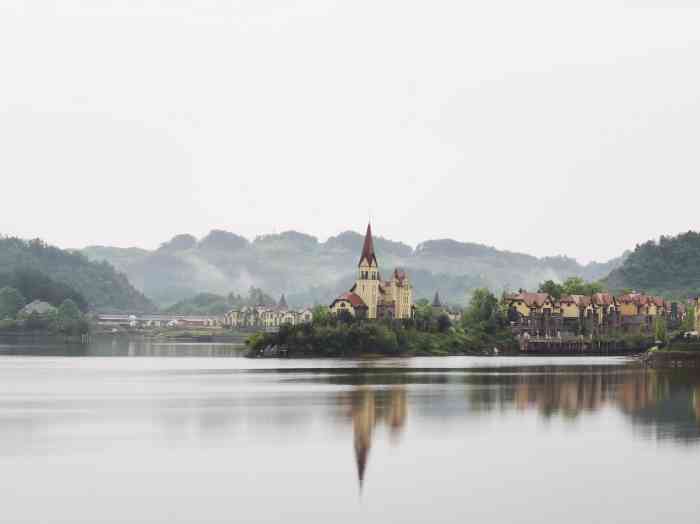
pixel 354 300
pixel 581 300
pixel 633 298
pixel 603 299
pixel 532 299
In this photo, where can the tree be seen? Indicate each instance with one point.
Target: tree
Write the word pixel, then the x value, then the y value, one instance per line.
pixel 423 314
pixel 481 306
pixel 689 321
pixel 553 289
pixel 443 323
pixel 578 286
pixel 11 301
pixel 321 315
pixel 69 319
pixel 68 310
pixel 660 329
pixel 571 286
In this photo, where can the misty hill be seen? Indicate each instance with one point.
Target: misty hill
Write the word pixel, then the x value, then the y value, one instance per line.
pixel 59 273
pixel 309 271
pixel 667 267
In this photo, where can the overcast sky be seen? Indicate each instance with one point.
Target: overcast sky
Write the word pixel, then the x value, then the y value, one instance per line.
pixel 547 127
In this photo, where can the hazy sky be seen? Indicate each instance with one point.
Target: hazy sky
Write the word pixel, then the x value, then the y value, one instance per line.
pixel 547 127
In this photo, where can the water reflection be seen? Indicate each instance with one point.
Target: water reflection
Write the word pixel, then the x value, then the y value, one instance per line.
pixel 73 404
pixel 369 408
pixel 660 405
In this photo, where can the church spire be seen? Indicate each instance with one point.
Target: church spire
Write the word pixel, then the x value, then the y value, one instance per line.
pixel 368 248
pixel 436 300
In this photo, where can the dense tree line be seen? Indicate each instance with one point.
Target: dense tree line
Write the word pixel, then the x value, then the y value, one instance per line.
pixel 571 286
pixel 65 319
pixel 667 267
pixel 88 284
pixel 35 285
pixel 213 304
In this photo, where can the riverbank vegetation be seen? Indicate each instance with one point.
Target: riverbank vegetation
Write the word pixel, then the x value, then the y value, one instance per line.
pixel 66 319
pixel 59 274
pixel 213 304
pixel 482 327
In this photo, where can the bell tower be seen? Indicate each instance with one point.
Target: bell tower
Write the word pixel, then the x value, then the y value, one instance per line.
pixel 367 286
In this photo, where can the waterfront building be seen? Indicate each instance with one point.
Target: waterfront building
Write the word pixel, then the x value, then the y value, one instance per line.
pixel 601 313
pixel 266 317
pixel 371 297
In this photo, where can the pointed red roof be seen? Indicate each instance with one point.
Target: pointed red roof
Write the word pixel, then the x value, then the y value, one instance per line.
pixel 368 248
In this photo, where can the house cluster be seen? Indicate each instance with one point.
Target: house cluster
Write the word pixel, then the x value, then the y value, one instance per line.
pixel 267 317
pixel 539 314
pixel 150 321
pixel 371 297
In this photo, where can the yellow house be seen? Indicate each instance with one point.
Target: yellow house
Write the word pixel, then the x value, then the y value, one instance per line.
pixel 657 307
pixel 531 303
pixel 603 304
pixel 632 305
pixel 569 307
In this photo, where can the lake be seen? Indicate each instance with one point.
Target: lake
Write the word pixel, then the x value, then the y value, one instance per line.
pixel 123 431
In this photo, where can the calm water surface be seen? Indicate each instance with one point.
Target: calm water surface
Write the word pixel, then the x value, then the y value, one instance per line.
pixel 121 431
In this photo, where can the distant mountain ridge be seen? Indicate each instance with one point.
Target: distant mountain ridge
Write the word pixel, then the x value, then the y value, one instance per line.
pixel 309 271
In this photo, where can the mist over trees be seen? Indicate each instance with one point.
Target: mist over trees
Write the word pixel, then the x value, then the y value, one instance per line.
pixel 312 272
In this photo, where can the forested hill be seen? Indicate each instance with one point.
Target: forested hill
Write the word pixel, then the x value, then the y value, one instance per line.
pixel 309 271
pixel 99 283
pixel 668 267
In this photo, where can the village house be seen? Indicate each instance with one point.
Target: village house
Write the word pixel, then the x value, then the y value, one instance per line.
pixel 266 317
pixel 539 314
pixel 371 297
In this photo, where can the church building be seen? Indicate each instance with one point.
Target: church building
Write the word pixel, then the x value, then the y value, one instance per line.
pixel 374 298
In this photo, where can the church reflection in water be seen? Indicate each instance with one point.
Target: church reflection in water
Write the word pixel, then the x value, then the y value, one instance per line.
pixel 659 405
pixel 368 409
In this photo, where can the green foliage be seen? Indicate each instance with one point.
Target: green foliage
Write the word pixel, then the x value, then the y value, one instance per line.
pixel 667 267
pixel 96 283
pixel 35 285
pixel 69 319
pixel 213 304
pixel 11 301
pixel 660 332
pixel 689 321
pixel 484 314
pixel 571 286
pixel 321 315
pixel 424 314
